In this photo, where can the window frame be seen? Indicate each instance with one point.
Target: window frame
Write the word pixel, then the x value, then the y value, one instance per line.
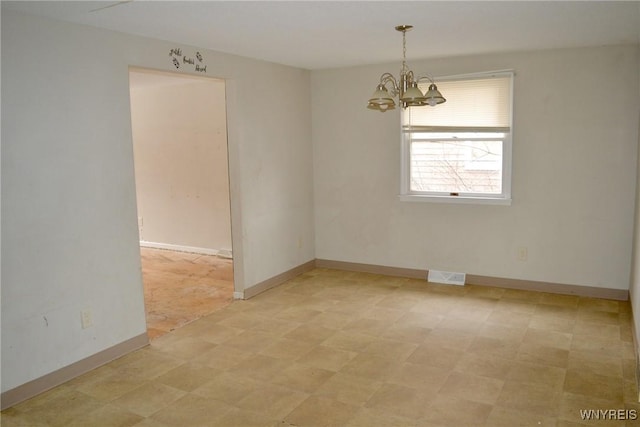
pixel 504 198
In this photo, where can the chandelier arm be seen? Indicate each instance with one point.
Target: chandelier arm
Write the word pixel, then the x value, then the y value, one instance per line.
pixel 386 78
pixel 389 78
pixel 425 77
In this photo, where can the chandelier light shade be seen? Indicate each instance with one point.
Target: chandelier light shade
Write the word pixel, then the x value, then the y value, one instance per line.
pixel 381 99
pixel 433 95
pixel 405 88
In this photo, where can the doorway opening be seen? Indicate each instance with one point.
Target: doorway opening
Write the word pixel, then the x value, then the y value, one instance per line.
pixel 182 189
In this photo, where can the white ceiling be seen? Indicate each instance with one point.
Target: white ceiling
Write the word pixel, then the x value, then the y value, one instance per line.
pixel 327 34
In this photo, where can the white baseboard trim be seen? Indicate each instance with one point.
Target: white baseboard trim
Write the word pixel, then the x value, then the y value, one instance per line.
pixel 238 295
pixel 225 253
pixel 55 378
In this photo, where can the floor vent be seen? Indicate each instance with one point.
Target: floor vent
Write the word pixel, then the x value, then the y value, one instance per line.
pixel 446 277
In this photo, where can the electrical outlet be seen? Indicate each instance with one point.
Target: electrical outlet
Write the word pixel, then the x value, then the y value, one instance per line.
pixel 86 319
pixel 523 254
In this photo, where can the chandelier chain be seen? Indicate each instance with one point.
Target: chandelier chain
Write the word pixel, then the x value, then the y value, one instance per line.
pixel 404 52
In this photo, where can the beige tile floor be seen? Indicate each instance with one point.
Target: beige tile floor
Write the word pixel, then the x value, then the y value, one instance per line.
pixel 332 348
pixel 180 287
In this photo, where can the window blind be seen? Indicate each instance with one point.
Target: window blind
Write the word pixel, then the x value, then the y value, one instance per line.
pixel 476 104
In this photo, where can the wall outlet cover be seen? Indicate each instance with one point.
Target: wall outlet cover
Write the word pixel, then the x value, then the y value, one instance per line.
pixel 86 319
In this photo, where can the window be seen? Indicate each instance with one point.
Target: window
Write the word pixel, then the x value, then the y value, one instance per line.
pixel 460 150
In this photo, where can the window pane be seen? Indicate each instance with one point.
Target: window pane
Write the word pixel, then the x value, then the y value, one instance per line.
pixel 456 166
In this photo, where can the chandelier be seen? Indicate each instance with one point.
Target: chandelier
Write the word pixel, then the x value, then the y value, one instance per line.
pixel 406 87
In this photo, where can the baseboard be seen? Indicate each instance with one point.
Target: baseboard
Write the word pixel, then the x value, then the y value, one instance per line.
pixel 225 253
pixel 472 279
pixel 554 288
pixel 279 279
pixel 372 268
pixel 53 379
pixel 636 350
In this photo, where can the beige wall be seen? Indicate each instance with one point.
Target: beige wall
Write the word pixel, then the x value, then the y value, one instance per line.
pixel 69 227
pixel 635 270
pixel 574 173
pixel 181 164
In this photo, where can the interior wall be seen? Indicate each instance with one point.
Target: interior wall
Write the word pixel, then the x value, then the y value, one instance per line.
pixel 0 217
pixel 70 237
pixel 181 162
pixel 635 268
pixel 574 173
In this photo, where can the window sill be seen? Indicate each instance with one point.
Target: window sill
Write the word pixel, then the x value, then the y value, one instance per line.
pixel 455 199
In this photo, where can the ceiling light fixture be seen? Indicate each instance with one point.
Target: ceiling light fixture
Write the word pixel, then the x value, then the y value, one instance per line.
pixel 406 88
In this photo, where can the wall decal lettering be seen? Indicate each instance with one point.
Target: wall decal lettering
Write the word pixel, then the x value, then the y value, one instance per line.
pixel 179 59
